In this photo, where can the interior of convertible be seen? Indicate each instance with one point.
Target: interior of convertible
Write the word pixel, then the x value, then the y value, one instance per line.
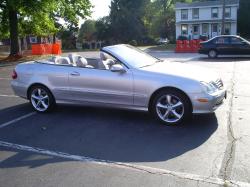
pixel 104 63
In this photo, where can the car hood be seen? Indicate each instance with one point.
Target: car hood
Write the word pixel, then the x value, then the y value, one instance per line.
pixel 182 70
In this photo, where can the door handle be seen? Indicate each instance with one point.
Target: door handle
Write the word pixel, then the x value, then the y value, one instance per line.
pixel 75 73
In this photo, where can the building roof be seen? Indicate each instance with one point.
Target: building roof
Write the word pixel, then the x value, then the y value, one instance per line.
pixel 208 3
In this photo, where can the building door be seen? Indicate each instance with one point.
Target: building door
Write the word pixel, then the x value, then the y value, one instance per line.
pixel 196 31
pixel 215 30
pixel 205 29
pixel 227 29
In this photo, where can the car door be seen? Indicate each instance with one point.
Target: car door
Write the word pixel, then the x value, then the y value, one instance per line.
pixel 223 45
pixel 239 46
pixel 57 79
pixel 101 86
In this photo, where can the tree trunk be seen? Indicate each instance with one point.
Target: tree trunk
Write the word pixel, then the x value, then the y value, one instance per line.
pixel 13 26
pixel 54 38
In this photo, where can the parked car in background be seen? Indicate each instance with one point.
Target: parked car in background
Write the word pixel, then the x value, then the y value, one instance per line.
pixel 225 45
pixel 123 77
pixel 162 41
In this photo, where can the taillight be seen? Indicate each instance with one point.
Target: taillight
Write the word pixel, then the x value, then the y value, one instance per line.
pixel 14 74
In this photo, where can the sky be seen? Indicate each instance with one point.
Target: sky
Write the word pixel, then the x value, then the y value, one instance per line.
pixel 101 8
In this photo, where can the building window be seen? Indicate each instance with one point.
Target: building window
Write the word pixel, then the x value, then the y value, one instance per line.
pixel 215 12
pixel 227 28
pixel 195 13
pixel 227 12
pixel 215 28
pixel 205 29
pixel 184 14
pixel 184 29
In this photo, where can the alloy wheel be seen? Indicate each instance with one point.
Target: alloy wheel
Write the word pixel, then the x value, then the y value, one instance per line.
pixel 212 53
pixel 40 99
pixel 170 108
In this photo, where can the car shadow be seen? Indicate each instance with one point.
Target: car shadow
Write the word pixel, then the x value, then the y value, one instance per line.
pixel 108 134
pixel 8 113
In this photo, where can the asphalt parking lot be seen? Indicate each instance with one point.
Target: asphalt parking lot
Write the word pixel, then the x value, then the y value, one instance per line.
pixel 87 146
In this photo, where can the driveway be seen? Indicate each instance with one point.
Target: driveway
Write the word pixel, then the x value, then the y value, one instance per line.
pixel 87 146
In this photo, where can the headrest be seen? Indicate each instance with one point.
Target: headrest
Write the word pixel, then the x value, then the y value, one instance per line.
pixel 53 59
pixel 74 58
pixel 103 56
pixel 62 60
pixel 81 62
pixel 110 62
pixel 71 57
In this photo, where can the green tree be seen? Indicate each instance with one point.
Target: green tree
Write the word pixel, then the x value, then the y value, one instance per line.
pixel 160 18
pixel 243 22
pixel 126 18
pixel 38 17
pixel 87 31
pixel 103 29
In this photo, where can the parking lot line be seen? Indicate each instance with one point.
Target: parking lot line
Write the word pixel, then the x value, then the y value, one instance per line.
pixel 138 168
pixel 17 119
pixel 2 95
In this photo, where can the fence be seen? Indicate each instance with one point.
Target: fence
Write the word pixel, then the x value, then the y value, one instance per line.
pixel 46 49
pixel 187 46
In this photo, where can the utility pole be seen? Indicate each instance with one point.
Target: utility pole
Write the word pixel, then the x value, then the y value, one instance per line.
pixel 223 17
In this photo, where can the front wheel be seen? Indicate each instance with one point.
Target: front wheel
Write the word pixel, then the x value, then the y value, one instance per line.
pixel 212 53
pixel 171 107
pixel 41 99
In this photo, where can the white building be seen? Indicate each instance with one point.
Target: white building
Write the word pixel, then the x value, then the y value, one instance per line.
pixel 204 18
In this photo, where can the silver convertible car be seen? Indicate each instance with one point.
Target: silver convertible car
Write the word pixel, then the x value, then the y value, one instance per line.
pixel 123 77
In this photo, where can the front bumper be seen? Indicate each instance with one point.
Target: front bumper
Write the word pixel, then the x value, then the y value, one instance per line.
pixel 203 51
pixel 213 102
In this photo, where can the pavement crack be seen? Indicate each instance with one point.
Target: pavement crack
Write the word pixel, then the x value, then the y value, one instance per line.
pixel 226 168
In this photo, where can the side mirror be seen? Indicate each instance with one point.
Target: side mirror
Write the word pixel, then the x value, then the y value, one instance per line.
pixel 117 68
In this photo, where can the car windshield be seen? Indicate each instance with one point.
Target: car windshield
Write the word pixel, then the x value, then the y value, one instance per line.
pixel 133 56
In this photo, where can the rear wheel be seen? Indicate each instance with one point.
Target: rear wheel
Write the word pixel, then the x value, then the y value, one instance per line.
pixel 171 107
pixel 41 99
pixel 212 53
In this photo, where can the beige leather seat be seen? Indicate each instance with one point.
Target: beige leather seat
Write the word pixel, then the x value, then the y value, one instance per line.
pixel 105 62
pixel 79 61
pixel 82 62
pixel 62 60
pixel 73 58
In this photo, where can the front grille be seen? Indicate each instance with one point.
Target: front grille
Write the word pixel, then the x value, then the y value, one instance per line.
pixel 219 84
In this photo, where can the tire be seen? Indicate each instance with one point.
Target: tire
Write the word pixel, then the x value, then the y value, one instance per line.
pixel 41 99
pixel 212 53
pixel 171 107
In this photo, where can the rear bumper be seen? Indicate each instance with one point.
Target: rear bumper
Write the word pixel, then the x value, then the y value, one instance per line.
pixel 213 102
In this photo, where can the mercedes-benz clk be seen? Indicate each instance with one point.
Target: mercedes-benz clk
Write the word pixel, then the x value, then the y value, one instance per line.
pixel 123 77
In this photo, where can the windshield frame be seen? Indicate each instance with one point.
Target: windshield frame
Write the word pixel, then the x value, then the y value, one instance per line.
pixel 114 52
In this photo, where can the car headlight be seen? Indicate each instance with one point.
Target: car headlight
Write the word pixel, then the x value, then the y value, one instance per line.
pixel 209 87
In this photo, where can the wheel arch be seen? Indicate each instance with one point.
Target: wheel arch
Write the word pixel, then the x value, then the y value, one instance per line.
pixel 168 88
pixel 37 84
